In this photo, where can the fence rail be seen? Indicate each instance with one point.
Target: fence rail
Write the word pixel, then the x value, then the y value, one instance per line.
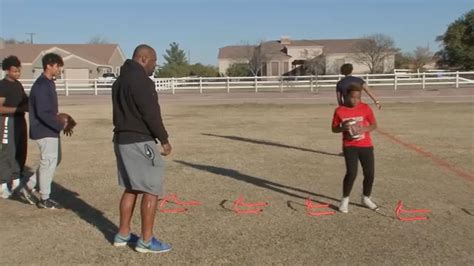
pixel 263 84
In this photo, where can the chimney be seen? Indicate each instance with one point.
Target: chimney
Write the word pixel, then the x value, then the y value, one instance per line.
pixel 285 40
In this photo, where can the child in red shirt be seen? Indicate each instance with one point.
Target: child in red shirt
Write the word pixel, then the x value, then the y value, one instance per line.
pixel 356 120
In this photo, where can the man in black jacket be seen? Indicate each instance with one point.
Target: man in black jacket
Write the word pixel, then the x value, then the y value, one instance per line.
pixel 137 127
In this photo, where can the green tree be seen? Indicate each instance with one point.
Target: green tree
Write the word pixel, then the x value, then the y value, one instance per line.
pixel 175 55
pixel 176 64
pixel 201 70
pixel 458 43
pixel 238 70
pixel 173 71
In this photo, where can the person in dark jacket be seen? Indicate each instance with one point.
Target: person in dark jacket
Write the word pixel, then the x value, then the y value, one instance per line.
pixel 138 127
pixel 343 85
pixel 45 126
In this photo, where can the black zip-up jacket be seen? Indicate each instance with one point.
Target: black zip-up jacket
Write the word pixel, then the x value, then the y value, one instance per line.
pixel 136 112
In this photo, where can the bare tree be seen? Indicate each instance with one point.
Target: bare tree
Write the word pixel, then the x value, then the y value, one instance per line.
pixel 259 58
pixel 373 50
pixel 98 40
pixel 14 41
pixel 421 56
pixel 315 63
pixel 256 57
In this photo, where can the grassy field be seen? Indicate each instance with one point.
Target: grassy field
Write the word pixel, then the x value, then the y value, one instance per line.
pixel 266 152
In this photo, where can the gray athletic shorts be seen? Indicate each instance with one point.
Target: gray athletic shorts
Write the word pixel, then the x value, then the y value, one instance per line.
pixel 140 167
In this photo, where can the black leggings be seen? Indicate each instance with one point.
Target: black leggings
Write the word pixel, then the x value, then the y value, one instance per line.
pixel 352 156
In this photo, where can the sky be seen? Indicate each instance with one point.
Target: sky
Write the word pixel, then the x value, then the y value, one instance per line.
pixel 201 27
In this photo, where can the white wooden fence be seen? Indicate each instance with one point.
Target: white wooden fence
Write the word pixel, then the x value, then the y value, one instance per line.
pixel 263 84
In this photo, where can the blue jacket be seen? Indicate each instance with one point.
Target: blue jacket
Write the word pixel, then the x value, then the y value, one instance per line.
pixel 43 110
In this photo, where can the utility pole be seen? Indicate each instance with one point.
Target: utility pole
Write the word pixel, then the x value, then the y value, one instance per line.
pixel 31 36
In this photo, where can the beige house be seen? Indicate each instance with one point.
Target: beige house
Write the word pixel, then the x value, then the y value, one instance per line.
pixel 81 61
pixel 285 56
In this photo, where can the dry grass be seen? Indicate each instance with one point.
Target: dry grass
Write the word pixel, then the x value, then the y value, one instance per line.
pixel 275 153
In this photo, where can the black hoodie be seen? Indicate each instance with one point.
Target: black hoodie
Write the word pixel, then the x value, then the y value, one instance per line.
pixel 136 112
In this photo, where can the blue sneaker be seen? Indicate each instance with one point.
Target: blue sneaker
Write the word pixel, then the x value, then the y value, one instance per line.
pixel 121 241
pixel 153 246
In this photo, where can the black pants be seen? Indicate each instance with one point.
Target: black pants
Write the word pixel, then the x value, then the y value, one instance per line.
pixel 13 148
pixel 352 156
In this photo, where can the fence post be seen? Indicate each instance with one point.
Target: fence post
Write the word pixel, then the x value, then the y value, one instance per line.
pixel 256 85
pixel 95 87
pixel 395 81
pixel 423 81
pixel 227 83
pixel 367 79
pixel 66 86
pixel 200 85
pixel 311 83
pixel 457 79
pixel 317 85
pixel 281 83
pixel 172 85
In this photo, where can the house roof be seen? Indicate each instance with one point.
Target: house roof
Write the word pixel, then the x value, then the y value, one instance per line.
pixel 234 51
pixel 27 53
pixel 330 46
pixel 275 49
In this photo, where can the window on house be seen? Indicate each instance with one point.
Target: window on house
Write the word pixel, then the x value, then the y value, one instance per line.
pixel 264 70
pixel 285 67
pixel 275 68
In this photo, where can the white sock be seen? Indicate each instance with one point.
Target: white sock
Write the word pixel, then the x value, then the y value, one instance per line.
pixel 344 206
pixel 15 183
pixel 31 184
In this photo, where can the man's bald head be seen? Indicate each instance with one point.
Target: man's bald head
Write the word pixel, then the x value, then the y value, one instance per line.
pixel 143 50
pixel 145 55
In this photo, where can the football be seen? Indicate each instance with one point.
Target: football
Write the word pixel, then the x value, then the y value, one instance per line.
pixel 354 128
pixel 62 117
pixel 65 118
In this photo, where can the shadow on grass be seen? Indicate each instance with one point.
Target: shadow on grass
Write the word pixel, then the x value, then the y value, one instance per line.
pixel 270 143
pixel 259 182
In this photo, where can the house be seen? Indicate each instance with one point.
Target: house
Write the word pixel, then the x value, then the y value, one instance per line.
pixel 81 61
pixel 286 56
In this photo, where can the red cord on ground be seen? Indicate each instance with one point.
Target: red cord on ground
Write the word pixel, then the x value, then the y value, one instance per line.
pixel 399 211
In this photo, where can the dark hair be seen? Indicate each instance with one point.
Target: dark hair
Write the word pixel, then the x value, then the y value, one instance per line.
pixel 11 61
pixel 354 87
pixel 346 69
pixel 51 59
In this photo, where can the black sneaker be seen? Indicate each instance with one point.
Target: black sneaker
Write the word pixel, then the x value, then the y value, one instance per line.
pixel 48 204
pixel 26 196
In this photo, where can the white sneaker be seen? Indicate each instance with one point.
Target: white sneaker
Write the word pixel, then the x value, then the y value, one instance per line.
pixel 4 191
pixel 369 203
pixel 344 206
